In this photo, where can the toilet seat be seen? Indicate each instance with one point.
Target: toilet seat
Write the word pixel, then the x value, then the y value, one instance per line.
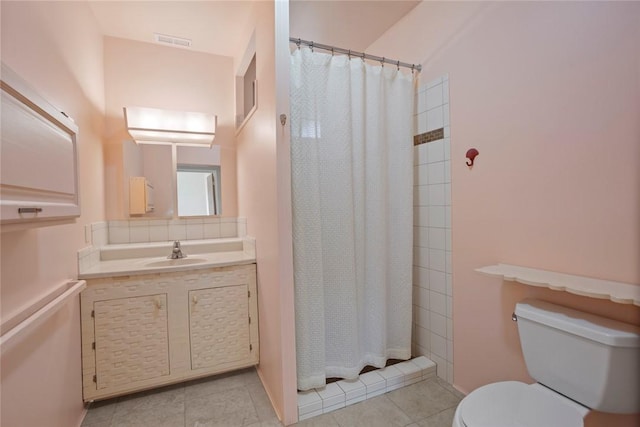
pixel 516 404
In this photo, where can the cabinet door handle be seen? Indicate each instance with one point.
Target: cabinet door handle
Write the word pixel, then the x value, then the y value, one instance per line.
pixel 158 303
pixel 29 210
pixel 194 299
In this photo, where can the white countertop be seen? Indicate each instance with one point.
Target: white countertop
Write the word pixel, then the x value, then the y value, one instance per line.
pixel 139 266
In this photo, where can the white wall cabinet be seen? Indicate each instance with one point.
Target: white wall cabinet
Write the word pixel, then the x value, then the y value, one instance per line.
pixel 38 171
pixel 140 332
pixel 140 196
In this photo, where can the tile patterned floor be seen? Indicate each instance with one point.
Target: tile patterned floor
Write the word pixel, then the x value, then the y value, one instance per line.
pixel 238 399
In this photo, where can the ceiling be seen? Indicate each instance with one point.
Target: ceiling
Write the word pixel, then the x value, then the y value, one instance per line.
pixel 350 24
pixel 217 27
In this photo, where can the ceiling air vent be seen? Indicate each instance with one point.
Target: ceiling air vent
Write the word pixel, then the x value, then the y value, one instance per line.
pixel 171 40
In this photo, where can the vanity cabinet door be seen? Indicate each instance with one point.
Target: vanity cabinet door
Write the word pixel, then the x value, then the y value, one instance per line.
pixel 131 340
pixel 219 322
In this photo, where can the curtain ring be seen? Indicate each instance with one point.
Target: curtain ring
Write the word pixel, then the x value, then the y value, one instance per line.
pixel 382 62
pixel 311 46
pixel 349 53
pixel 298 43
pixel 332 51
pixel 363 55
pixel 398 65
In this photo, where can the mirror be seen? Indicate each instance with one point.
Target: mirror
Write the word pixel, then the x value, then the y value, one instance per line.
pixel 198 181
pixel 152 162
pixel 173 171
pixel 198 190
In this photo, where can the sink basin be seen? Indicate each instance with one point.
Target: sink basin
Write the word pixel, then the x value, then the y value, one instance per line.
pixel 175 262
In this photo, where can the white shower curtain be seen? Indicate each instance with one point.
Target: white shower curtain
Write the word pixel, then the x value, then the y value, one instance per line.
pixel 352 177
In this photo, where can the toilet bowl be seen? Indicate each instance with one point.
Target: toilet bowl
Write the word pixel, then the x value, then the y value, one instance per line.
pixel 580 361
pixel 513 403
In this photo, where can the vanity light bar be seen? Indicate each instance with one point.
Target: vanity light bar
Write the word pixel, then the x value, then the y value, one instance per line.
pixel 156 126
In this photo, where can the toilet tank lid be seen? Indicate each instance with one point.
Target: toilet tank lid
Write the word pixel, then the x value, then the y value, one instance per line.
pixel 606 331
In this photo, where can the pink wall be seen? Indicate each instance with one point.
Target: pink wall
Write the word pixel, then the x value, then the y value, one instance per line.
pixel 57 48
pixel 150 75
pixel 156 163
pixel 260 201
pixel 549 93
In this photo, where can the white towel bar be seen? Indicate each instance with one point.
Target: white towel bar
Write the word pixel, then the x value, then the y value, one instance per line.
pixel 40 315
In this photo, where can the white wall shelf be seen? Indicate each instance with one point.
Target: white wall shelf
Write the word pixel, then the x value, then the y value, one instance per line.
pixel 623 293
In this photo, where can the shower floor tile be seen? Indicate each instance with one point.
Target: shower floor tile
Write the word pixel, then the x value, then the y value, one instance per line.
pixel 410 388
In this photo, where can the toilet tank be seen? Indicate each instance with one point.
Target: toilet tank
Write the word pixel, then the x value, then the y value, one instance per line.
pixel 590 359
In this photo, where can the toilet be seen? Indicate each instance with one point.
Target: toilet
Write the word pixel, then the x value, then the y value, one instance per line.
pixel 580 362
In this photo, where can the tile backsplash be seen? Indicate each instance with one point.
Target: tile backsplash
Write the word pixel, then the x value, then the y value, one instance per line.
pixel 432 289
pixel 164 230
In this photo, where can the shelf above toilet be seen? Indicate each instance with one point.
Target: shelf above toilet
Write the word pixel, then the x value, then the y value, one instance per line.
pixel 623 293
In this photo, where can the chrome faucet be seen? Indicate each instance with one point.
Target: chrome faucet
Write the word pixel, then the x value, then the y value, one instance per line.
pixel 176 251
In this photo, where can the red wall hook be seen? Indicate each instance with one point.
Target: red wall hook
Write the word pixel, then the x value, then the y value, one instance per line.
pixel 471 155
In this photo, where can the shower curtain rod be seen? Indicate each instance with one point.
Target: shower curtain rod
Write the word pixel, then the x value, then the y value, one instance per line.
pixel 353 53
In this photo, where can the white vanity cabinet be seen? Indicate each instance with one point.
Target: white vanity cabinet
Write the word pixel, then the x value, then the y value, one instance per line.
pixel 143 331
pixel 38 171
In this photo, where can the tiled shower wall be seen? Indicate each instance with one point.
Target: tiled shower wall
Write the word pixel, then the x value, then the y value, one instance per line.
pixel 432 291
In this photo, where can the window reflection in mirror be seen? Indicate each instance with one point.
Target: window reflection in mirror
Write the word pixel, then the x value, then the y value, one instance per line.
pixel 198 190
pixel 198 181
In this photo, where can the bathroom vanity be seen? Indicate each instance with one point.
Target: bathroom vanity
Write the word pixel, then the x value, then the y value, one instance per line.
pixel 151 321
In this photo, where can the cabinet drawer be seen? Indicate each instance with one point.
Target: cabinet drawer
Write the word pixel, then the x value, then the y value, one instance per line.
pixel 219 326
pixel 131 340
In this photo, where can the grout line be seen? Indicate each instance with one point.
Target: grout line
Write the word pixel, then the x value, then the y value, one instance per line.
pixel 402 410
pixel 385 390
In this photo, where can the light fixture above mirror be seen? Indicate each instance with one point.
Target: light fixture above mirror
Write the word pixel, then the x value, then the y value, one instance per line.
pixel 157 126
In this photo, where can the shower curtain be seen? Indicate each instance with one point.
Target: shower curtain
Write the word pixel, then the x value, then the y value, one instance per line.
pixel 352 178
